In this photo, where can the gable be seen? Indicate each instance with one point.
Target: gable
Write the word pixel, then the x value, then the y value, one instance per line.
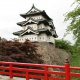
pixel 28 30
pixel 30 20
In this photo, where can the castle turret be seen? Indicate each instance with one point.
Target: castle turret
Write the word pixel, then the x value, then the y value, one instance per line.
pixel 37 27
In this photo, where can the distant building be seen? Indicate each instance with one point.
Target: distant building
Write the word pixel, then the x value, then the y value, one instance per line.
pixel 37 27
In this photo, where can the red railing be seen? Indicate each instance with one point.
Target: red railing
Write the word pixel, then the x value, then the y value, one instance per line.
pixel 39 71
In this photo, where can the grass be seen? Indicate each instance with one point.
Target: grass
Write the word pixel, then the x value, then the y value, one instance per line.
pixel 75 61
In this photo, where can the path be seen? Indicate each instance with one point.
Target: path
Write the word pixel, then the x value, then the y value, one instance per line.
pixel 7 78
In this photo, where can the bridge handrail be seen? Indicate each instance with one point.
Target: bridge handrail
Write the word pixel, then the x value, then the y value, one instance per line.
pixel 43 71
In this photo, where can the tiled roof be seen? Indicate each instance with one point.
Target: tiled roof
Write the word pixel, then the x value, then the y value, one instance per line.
pixel 35 11
pixel 32 21
pixel 39 31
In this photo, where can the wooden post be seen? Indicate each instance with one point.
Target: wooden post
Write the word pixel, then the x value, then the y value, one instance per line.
pixel 11 73
pixel 67 70
pixel 46 75
pixel 27 74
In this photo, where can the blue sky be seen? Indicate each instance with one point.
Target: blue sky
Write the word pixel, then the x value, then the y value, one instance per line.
pixel 10 10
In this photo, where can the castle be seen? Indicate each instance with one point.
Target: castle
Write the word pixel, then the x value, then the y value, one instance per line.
pixel 37 27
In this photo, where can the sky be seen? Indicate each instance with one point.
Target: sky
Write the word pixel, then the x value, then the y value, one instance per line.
pixel 10 11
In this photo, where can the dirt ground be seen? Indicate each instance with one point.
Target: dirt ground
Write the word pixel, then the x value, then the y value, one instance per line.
pixel 7 78
pixel 14 78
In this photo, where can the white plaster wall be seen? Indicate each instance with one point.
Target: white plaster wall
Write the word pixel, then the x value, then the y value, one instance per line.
pixel 36 17
pixel 41 26
pixel 32 38
pixel 46 38
pixel 33 26
pixel 23 28
pixel 37 38
pixel 42 38
pixel 51 39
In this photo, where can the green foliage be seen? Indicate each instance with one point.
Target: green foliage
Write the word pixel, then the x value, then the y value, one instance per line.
pixel 78 0
pixel 63 44
pixel 74 25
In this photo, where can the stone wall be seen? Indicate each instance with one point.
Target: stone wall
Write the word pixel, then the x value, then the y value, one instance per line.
pixel 52 55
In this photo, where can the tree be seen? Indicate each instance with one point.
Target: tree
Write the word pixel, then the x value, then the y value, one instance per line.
pixel 74 25
pixel 64 44
pixel 19 52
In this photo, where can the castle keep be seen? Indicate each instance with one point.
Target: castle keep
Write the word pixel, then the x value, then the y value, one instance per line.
pixel 37 27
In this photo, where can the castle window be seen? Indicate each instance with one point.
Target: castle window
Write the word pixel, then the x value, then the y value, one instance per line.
pixel 40 37
pixel 41 26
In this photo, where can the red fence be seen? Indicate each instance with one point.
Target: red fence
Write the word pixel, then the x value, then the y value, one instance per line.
pixel 38 71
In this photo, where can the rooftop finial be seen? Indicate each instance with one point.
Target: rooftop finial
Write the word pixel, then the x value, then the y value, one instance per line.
pixel 33 6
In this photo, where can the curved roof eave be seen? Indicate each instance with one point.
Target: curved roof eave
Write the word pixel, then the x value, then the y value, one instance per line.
pixel 43 13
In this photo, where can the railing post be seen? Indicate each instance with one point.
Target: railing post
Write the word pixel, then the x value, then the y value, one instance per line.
pixel 11 73
pixel 67 70
pixel 46 75
pixel 27 74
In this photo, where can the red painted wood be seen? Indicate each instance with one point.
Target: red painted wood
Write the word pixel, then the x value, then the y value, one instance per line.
pixel 51 78
pixel 19 69
pixel 55 66
pixel 45 73
pixel 75 68
pixel 42 70
pixel 67 71
pixel 34 76
pixel 19 75
pixel 4 73
pixel 75 74
pixel 11 73
pixel 4 68
pixel 36 71
pixel 56 72
pixel 27 74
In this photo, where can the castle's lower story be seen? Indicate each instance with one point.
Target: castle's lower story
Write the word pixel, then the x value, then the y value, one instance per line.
pixel 37 38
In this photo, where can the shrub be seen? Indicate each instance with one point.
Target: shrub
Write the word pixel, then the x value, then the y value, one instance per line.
pixel 19 52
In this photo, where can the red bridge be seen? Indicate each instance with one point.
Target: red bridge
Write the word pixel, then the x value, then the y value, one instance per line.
pixel 38 71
